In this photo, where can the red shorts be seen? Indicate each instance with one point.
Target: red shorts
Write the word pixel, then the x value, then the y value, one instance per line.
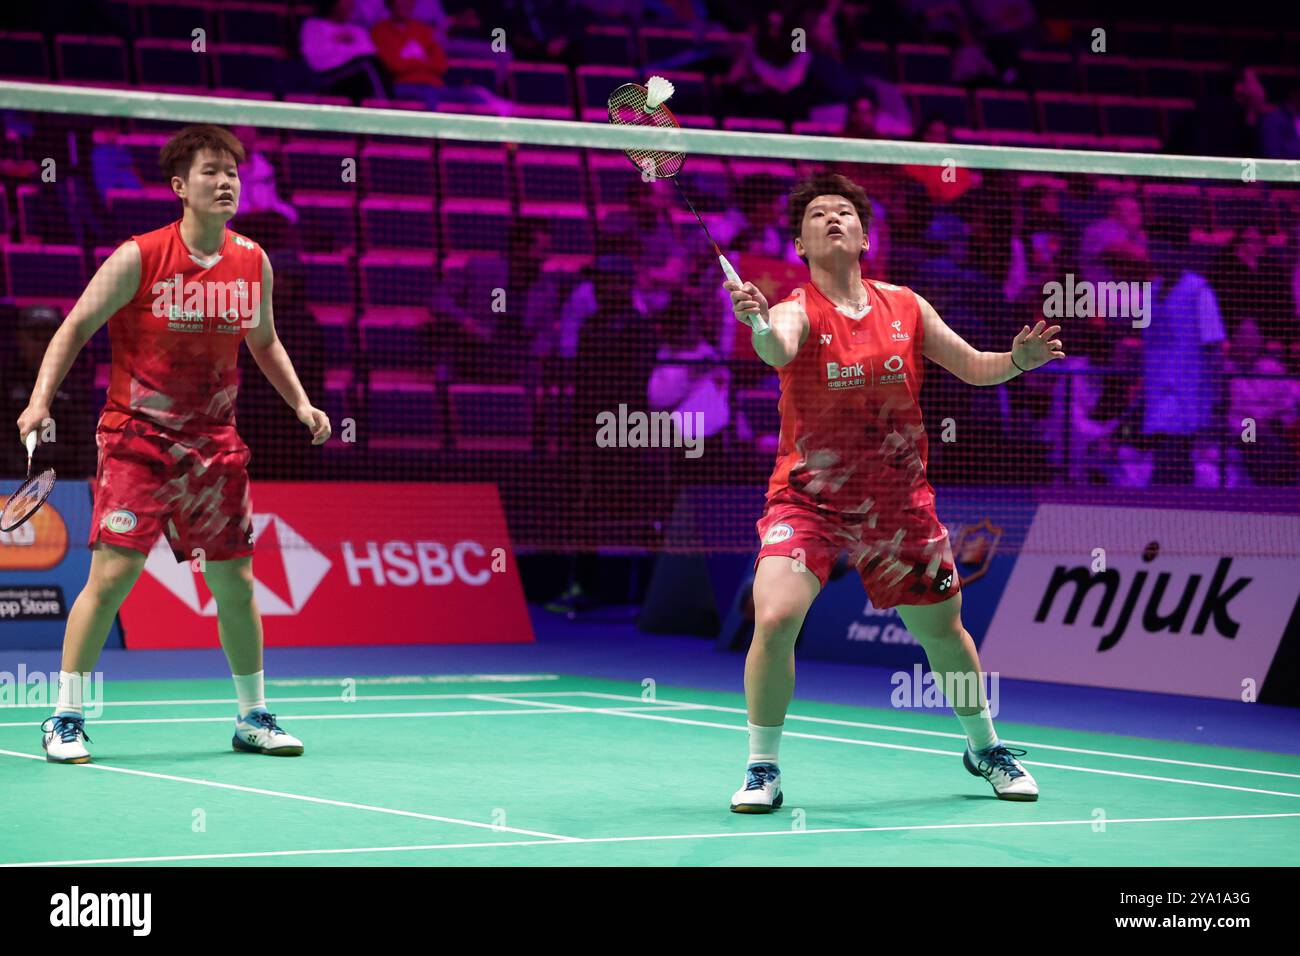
pixel 192 489
pixel 905 559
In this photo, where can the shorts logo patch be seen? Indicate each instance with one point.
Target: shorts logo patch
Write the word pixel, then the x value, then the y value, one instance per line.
pixel 778 533
pixel 120 521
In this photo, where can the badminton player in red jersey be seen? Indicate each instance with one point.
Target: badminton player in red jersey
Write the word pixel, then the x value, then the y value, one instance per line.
pixel 178 302
pixel 850 475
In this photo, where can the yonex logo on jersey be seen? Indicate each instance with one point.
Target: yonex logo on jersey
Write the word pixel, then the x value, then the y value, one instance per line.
pixel 120 521
pixel 826 338
pixel 845 376
pixel 778 533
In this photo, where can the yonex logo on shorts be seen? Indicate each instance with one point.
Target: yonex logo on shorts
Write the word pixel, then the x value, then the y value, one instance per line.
pixel 778 533
pixel 120 521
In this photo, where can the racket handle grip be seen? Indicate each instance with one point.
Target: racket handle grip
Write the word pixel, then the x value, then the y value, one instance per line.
pixel 755 320
pixel 30 442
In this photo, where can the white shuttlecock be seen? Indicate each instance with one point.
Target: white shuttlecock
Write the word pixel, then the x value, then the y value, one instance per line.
pixel 657 90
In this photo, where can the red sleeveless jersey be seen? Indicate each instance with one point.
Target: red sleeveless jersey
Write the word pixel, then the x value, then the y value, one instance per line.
pixel 176 343
pixel 852 440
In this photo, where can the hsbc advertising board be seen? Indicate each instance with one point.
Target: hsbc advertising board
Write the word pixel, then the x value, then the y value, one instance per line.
pixel 1178 602
pixel 352 563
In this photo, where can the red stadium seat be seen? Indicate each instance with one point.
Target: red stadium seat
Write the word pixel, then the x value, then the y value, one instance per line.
pixel 1130 116
pixel 174 19
pixel 397 170
pixel 38 272
pixel 607 45
pixel 170 62
pixel 490 417
pixel 1117 75
pixel 540 84
pixel 474 171
pixel 551 175
pixel 43 215
pixel 569 226
pixel 134 211
pixel 950 103
pixel 327 221
pixel 404 412
pixel 399 222
pixel 248 66
pixel 254 23
pixel 1200 43
pixel 397 336
pixel 401 278
pixel 1170 78
pixel 1049 71
pixel 472 72
pixel 595 83
pixel 1069 113
pixel 1139 39
pixel 329 279
pixel 318 165
pixel 924 63
pixel 874 58
pixel 23 57
pixel 1004 110
pixel 86 59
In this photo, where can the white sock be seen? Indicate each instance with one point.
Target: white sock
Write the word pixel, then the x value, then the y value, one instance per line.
pixel 764 743
pixel 72 692
pixel 979 730
pixel 249 689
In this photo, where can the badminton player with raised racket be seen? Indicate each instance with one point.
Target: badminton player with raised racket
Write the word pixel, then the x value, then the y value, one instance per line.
pixel 178 302
pixel 851 475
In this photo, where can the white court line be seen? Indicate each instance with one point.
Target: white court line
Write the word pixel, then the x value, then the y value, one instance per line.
pixel 537 709
pixel 329 698
pixel 414 679
pixel 927 750
pixel 644 839
pixel 296 796
pixel 956 736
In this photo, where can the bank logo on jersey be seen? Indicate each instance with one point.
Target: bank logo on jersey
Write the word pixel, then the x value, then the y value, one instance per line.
pixel 898 335
pixel 845 376
pixel 120 521
pixel 893 366
pixel 778 533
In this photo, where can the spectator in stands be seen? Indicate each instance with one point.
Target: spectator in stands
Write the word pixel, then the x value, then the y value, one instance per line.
pixel 945 183
pixel 1224 125
pixel 1279 129
pixel 263 212
pixel 1005 29
pixel 769 72
pixel 72 453
pixel 417 63
pixel 1251 281
pixel 971 66
pixel 1262 392
pixel 1182 357
pixel 1121 228
pixel 341 53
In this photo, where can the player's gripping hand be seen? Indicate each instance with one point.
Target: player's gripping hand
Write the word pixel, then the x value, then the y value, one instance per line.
pixel 746 300
pixel 31 420
pixel 317 421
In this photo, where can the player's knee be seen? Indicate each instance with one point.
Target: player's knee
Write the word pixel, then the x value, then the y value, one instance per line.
pixel 232 585
pixel 777 623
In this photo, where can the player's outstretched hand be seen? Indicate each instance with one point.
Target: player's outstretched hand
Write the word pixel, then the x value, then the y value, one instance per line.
pixel 746 300
pixel 317 421
pixel 1036 346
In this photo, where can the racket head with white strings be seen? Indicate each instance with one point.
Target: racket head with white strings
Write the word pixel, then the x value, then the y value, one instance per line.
pixel 635 105
pixel 31 494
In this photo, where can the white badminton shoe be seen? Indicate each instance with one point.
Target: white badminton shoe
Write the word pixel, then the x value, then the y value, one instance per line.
pixel 65 739
pixel 258 733
pixel 999 766
pixel 761 792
